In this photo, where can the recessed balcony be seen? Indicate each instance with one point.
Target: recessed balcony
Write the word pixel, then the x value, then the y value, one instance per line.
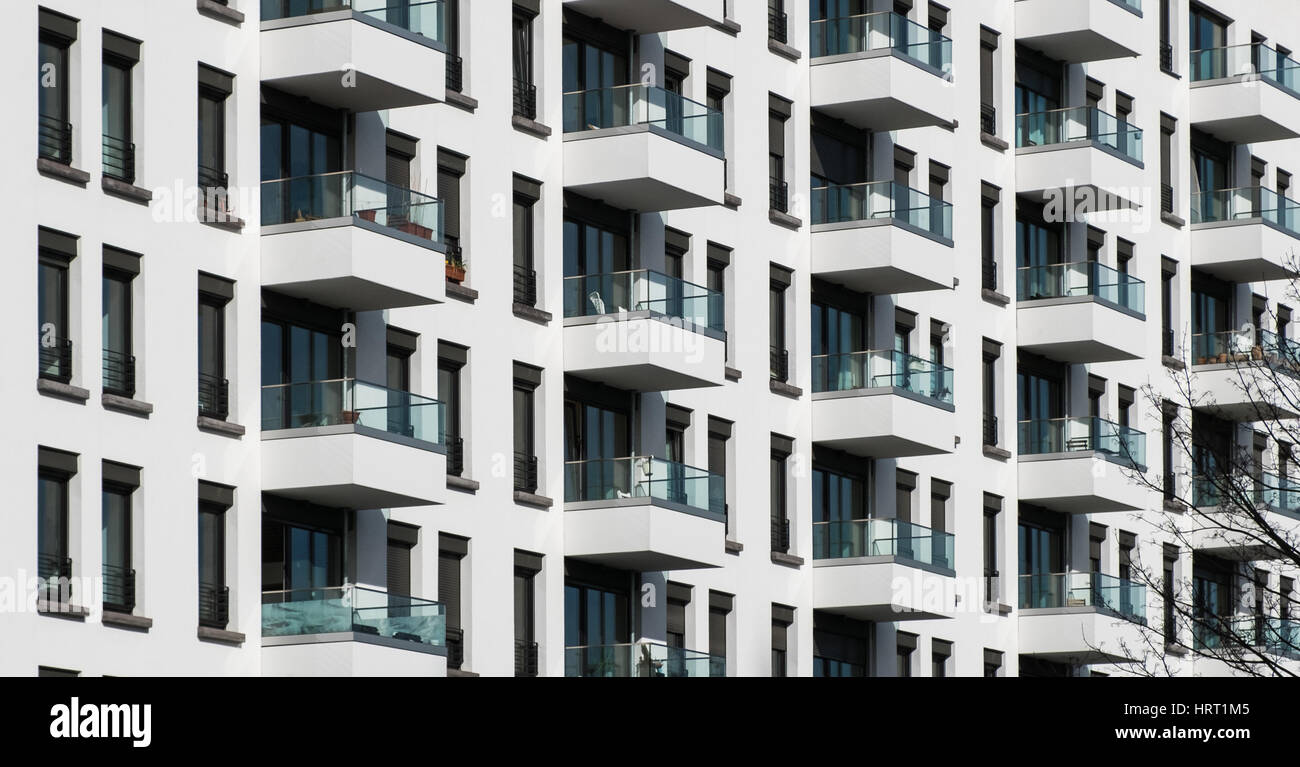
pixel 357 55
pixel 1245 94
pixel 1081 465
pixel 1235 513
pixel 347 240
pixel 348 443
pixel 1081 618
pixel 882 404
pixel 641 659
pixel 882 238
pixel 1080 159
pixel 881 72
pixel 352 631
pixel 1078 31
pixel 644 513
pixel 643 149
pixel 1080 312
pixel 646 17
pixel 644 331
pixel 1246 376
pixel 883 570
pixel 1248 234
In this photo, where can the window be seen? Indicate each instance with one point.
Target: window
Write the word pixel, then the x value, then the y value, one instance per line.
pixel 720 606
pixel 1096 542
pixel 1167 127
pixel 214 390
pixel 1168 274
pixel 455 64
pixel 779 111
pixel 782 447
pixel 54 344
pixel 451 168
pixel 679 598
pixel 940 493
pixel 992 663
pixel 527 193
pixel 780 355
pixel 904 484
pixel 120 268
pixel 527 565
pixel 214 88
pixel 940 653
pixel 55 471
pixel 777 23
pixel 521 46
pixel 214 593
pixel 1168 422
pixel 119 483
pixel 54 137
pixel 719 436
pixel 451 551
pixel 1166 38
pixel 715 98
pixel 120 56
pixel 1127 545
pixel 992 583
pixel 451 362
pixel 782 618
pixel 402 539
pixel 526 380
pixel 906 646
pixel 988 236
pixel 988 81
pixel 992 352
pixel 719 258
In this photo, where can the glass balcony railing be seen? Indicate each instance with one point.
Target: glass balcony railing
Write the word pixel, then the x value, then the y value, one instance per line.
pixel 637 104
pixel 1271 490
pixel 349 401
pixel 642 290
pixel 1107 593
pixel 427 18
pixel 879 31
pixel 641 659
pixel 609 479
pixel 1235 346
pixel 882 370
pixel 882 537
pixel 1247 204
pixel 1067 435
pixel 882 200
pixel 353 608
pixel 348 194
pixel 1081 278
pixel 1060 126
pixel 1251 61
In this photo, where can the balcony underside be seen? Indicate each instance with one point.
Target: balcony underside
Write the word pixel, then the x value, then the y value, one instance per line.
pixel 643 353
pixel 350 654
pixel 882 423
pixel 1230 534
pixel 643 169
pixel 1078 177
pixel 882 589
pixel 651 16
pixel 880 91
pixel 1242 390
pixel 1243 110
pixel 1079 635
pixel 351 466
pixel 1079 31
pixel 1244 250
pixel 1079 330
pixel 644 535
pixel 1081 482
pixel 879 257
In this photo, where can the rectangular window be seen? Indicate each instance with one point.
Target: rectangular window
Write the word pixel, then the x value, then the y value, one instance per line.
pixel 526 568
pixel 120 57
pixel 782 447
pixel 451 169
pixel 988 81
pixel 905 485
pixel 455 64
pixel 719 258
pixel 782 618
pixel 214 593
pixel 1168 275
pixel 779 111
pixel 525 279
pixel 777 22
pixel 401 543
pixel 53 557
pixel 451 552
pixel 214 390
pixel 54 136
pixel 1167 127
pixel 906 647
pixel 1166 38
pixel 54 342
pixel 119 483
pixel 526 380
pixel 992 582
pixel 214 88
pixel 120 269
pixel 521 45
pixel 1168 423
pixel 989 394
pixel 992 663
pixel 719 435
pixel 940 653
pixel 451 363
pixel 780 355
pixel 988 236
pixel 719 610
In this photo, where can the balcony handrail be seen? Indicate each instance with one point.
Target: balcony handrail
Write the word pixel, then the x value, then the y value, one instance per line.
pixel 602 479
pixel 1283 72
pixel 657 106
pixel 340 194
pixel 896 201
pixel 439 28
pixel 423 400
pixel 1093 278
pixel 882 369
pixel 1075 588
pixel 911 359
pixel 408 416
pixel 1053 435
pixel 1097 126
pixel 635 290
pixel 656 272
pixel 888 27
pixel 631 86
pixel 655 459
pixel 863 537
pixel 348 588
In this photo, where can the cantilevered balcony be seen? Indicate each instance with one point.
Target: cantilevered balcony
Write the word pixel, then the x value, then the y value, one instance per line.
pixel 882 404
pixel 1279 637
pixel 859 564
pixel 1080 312
pixel 1245 94
pixel 352 631
pixel 350 241
pixel 1080 158
pixel 1081 465
pixel 1078 31
pixel 1081 618
pixel 641 659
pixel 644 513
pixel 644 331
pixel 643 149
pixel 1236 513
pixel 1250 234
pixel 646 17
pixel 881 72
pixel 357 55
pixel 882 237
pixel 348 443
pixel 1245 376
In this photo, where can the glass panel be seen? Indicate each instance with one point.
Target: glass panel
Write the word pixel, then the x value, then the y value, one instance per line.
pixel 352 195
pixel 348 401
pixel 1079 124
pixel 876 31
pixel 353 609
pixel 644 477
pixel 626 105
pixel 882 537
pixel 594 295
pixel 1082 278
pixel 882 199
pixel 1115 442
pixel 881 369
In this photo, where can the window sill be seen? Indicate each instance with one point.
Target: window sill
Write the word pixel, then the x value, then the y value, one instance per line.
pixel 1173 363
pixel 209 634
pixel 455 672
pixel 1171 73
pixel 993 142
pixel 221 220
pixel 730 200
pixel 1172 648
pixel 532 313
pixel 994 297
pixel 531 127
pixel 217 426
pixel 462 484
pixel 461 101
pixel 126 621
pixel 997 607
pixel 789 560
pixel 1173 507
pixel 733 547
pixel 220 12
pixel 126 405
pixel 128 192
pixel 781 49
pixel 461 293
pixel 532 499
pixel 1172 220
pixel 61 172
pixel 68 610
pixel 731 373
pixel 997 453
pixel 62 391
pixel 784 219
pixel 784 389
pixel 728 26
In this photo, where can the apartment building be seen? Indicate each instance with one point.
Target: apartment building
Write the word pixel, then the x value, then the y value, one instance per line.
pixel 612 338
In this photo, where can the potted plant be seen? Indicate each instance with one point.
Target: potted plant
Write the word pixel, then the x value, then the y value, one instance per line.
pixel 455 264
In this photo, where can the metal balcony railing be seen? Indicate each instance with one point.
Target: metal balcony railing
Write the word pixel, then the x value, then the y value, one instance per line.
pixel 525 99
pixel 1088 434
pixel 778 26
pixel 54 357
pixel 214 396
pixel 525 658
pixel 644 290
pixel 989 119
pixel 608 479
pixel 119 373
pixel 455 647
pixel 780 535
pixel 779 364
pixel 455 456
pixel 119 159
pixel 455 73
pixel 525 286
pixel 991 430
pixel 779 195
pixel 119 588
pixel 638 104
pixel 55 573
pixel 525 473
pixel 54 139
pixel 350 401
pixel 214 605
pixel 1081 278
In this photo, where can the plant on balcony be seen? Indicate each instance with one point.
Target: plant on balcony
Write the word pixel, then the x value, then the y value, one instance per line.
pixel 456 266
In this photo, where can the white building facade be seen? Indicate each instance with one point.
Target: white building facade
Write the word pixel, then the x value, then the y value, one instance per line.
pixel 440 352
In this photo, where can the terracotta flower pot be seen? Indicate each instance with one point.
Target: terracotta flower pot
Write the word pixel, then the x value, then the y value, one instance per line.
pixel 455 273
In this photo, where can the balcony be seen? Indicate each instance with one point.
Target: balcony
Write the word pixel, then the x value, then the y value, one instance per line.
pixel 1245 376
pixel 1080 312
pixel 881 72
pixel 1226 634
pixel 1236 513
pixel 1245 235
pixel 882 238
pixel 882 404
pixel 1245 94
pixel 352 631
pixel 352 444
pixel 646 17
pixel 1081 618
pixel 643 149
pixel 1081 465
pixel 644 331
pixel 1080 158
pixel 859 566
pixel 1078 31
pixel 643 513
pixel 641 659
pixel 356 55
pixel 351 241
